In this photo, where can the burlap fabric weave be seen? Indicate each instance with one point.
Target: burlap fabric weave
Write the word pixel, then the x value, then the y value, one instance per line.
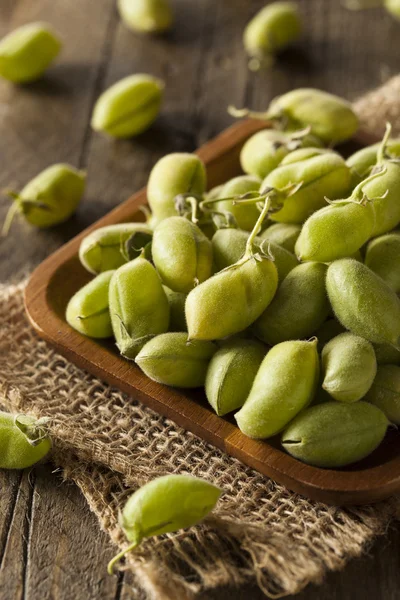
pixel 109 444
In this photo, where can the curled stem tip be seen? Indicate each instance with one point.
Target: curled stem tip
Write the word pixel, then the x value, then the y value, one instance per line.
pixel 257 227
pixel 381 155
pixel 117 557
pixel 12 211
pixel 239 113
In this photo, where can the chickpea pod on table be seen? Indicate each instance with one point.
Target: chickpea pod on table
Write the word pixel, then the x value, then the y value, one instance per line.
pixel 27 52
pixel 129 106
pixel 48 199
pixel 146 16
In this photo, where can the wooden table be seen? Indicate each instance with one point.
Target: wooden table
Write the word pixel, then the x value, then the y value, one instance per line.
pixel 50 545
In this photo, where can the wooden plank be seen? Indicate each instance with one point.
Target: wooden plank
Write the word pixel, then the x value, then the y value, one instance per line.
pixel 46 122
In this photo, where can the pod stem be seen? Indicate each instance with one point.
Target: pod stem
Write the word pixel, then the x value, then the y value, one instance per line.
pixel 257 228
pixel 381 154
pixel 12 211
pixel 117 557
pixel 240 113
pixel 358 193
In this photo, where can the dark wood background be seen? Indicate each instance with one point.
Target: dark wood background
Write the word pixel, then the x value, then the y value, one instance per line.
pixel 50 544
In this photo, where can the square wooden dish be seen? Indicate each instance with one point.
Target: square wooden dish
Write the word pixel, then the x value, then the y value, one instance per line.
pixel 54 282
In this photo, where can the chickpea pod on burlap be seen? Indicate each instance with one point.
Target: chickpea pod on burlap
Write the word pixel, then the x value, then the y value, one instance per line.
pixel 163 505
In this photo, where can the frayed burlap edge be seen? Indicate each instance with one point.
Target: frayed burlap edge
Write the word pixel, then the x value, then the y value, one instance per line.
pixel 109 445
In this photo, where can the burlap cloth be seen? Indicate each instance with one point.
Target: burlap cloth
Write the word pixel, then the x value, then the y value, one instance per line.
pixel 108 444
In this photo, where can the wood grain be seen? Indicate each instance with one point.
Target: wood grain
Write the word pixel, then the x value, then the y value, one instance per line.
pixel 346 53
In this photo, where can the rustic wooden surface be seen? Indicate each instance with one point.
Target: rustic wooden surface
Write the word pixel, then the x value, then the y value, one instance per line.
pixel 50 545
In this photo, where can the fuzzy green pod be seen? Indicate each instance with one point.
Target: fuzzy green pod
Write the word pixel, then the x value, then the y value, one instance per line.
pixel 27 52
pixel 174 174
pixel 285 384
pixel 335 231
pixel 245 215
pixel 214 193
pixel 383 257
pixel 393 7
pixel 112 246
pixel 348 366
pixel 23 441
pixel 139 307
pixel 177 321
pixel 182 254
pixel 385 392
pixel 383 189
pixel 231 300
pixel 323 174
pixel 362 161
pixel 146 16
pixel 230 244
pixel 363 302
pixel 164 505
pixel 335 434
pixel 329 117
pixel 231 373
pixel 283 234
pixel 327 331
pixel 299 307
pixel 273 28
pixel 264 150
pixel 171 359
pixel 386 354
pixel 49 198
pixel 128 107
pixel 88 310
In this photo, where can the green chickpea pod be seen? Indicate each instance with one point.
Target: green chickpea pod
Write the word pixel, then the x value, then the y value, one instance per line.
pixel 171 360
pixel 27 52
pixel 49 198
pixel 129 106
pixel 174 174
pixel 284 385
pixel 372 209
pixel 383 257
pixel 231 300
pixel 271 30
pixel 385 392
pixel 303 180
pixel 362 161
pixel 283 234
pixel 393 7
pixel 229 245
pixel 329 117
pixel 164 505
pixel 23 441
pixel 335 434
pixel 265 149
pixel 245 215
pixel 110 247
pixel 88 310
pixel 146 16
pixel 231 373
pixel 139 307
pixel 363 302
pixel 299 307
pixel 182 254
pixel 349 367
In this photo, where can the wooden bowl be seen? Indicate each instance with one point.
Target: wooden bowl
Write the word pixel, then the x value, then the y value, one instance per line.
pixel 54 282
